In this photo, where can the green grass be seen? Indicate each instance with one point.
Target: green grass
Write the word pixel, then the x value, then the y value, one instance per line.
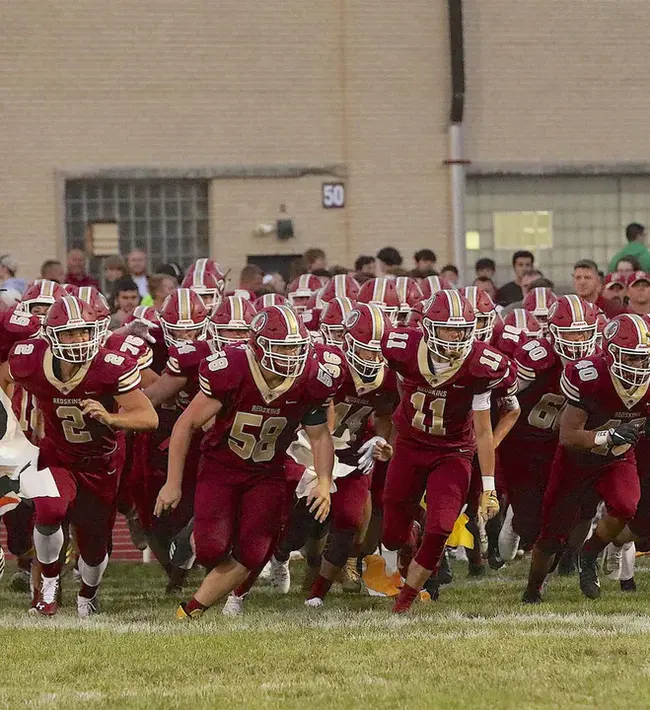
pixel 478 647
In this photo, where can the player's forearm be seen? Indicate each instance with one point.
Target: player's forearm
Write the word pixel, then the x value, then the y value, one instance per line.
pixel 580 438
pixel 506 421
pixel 164 388
pixel 323 452
pixel 179 445
pixel 141 419
pixel 486 456
pixel 384 426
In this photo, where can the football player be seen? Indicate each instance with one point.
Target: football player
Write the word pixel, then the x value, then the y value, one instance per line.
pixel 409 295
pixel 301 290
pixel 539 302
pixel 383 293
pixel 207 279
pixel 258 395
pixel 607 401
pixel 77 385
pixel 446 380
pixel 368 389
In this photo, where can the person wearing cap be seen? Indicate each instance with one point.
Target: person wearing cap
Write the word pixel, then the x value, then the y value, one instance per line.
pixel 8 278
pixel 635 234
pixel 638 293
pixel 614 288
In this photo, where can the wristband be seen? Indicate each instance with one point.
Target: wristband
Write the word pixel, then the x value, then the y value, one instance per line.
pixel 488 483
pixel 601 438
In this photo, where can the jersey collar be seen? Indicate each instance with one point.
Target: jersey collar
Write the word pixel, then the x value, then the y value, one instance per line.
pixel 629 399
pixel 363 386
pixel 268 393
pixel 423 366
pixel 69 385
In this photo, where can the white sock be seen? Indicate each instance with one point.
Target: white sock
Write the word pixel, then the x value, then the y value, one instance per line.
pixel 48 547
pixel 628 561
pixel 92 576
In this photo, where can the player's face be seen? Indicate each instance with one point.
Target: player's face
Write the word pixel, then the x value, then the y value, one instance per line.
pixel 208 299
pixel 641 362
pixel 368 355
pixel 299 303
pixel 452 335
pixel 39 309
pixel 185 335
pixel 336 335
pixel 233 334
pixel 78 335
pixel 576 336
pixel 287 350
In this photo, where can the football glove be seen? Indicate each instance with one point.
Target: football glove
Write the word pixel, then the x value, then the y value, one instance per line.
pixel 627 433
pixel 489 505
pixel 366 459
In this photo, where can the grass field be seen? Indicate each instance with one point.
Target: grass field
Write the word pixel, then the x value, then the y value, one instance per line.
pixel 477 647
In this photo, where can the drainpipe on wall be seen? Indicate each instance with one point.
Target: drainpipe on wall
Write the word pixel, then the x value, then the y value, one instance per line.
pixel 456 161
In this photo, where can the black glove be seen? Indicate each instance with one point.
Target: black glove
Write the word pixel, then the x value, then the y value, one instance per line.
pixel 624 434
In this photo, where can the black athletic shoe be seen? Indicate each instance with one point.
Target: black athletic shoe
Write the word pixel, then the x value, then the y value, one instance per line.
pixel 588 569
pixel 445 575
pixel 494 560
pixel 476 570
pixel 433 587
pixel 628 585
pixel 567 565
pixel 532 596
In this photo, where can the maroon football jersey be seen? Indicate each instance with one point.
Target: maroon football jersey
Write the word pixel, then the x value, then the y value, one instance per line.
pixel 355 402
pixel 435 411
pixel 14 326
pixel 256 424
pixel 507 339
pixel 131 346
pixel 542 400
pixel 311 318
pixel 243 293
pixel 589 385
pixel 184 362
pixel 74 436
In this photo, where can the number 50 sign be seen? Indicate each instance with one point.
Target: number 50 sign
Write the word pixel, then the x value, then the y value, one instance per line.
pixel 333 195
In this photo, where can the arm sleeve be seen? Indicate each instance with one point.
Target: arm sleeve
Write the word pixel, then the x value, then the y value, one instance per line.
pixel 315 417
pixel 482 401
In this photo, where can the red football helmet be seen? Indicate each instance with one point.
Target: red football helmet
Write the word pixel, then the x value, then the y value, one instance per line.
pixel 524 322
pixel 484 310
pixel 72 316
pixel 333 318
pixel 601 321
pixel 280 341
pixel 301 289
pixel 539 302
pixel 70 289
pixel 206 278
pixel 627 348
pixel 383 293
pixel 39 296
pixel 572 326
pixel 451 311
pixel 432 284
pixel 147 315
pixel 91 295
pixel 414 318
pixel 183 317
pixel 339 286
pixel 365 327
pixel 269 299
pixel 230 321
pixel 409 295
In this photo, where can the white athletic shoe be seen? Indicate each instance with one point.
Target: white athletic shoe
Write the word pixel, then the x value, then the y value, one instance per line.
pixel 234 606
pixel 265 574
pixel 280 576
pixel 87 607
pixel 628 561
pixel 508 538
pixel 612 560
pixel 2 562
pixel 314 603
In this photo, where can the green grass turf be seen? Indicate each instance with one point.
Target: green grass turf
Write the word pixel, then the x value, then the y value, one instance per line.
pixel 477 647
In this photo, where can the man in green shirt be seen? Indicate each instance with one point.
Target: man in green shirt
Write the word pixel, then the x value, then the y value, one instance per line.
pixel 635 234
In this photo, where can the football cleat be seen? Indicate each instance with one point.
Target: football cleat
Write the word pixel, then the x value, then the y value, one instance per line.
pixel 265 574
pixel 2 562
pixel 408 550
pixel 588 569
pixel 350 578
pixel 532 596
pixel 280 576
pixel 47 601
pixel 568 563
pixel 234 606
pixel 20 582
pixel 87 607
pixel 432 587
pixel 183 615
pixel 445 574
pixel 314 603
pixel 476 569
pixel 628 585
pixel 612 561
pixel 508 538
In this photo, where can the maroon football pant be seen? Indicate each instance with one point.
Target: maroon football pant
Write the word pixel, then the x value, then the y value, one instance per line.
pixel 445 476
pixel 236 514
pixel 572 488
pixel 525 471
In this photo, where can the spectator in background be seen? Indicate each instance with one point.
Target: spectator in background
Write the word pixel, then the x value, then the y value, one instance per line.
pixel 587 285
pixel 638 293
pixel 275 282
pixel 251 281
pixel 389 261
pixel 527 281
pixel 136 263
pixel 160 286
pixel 530 281
pixel 77 270
pixel 126 300
pixel 171 269
pixel 450 272
pixel 522 263
pixel 314 259
pixel 53 270
pixel 8 278
pixel 114 269
pixel 485 283
pixel 365 268
pixel 485 267
pixel 337 270
pixel 626 266
pixel 323 274
pixel 614 288
pixel 425 261
pixel 635 234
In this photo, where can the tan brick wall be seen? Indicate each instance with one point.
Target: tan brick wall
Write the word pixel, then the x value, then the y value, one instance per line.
pixel 557 80
pixel 194 83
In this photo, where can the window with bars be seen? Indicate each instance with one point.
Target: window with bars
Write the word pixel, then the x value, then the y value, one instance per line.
pixel 166 218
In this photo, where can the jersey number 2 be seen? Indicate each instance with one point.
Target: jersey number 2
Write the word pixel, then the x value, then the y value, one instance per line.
pixel 74 425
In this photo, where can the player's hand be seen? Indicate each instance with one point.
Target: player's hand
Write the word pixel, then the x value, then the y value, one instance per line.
pixel 318 501
pixel 489 505
pixel 373 450
pixel 96 410
pixel 627 433
pixel 168 499
pixel 137 327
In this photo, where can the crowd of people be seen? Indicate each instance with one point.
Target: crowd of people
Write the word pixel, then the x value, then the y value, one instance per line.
pixel 348 412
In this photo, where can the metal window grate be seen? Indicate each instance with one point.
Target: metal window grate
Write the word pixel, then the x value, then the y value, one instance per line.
pixel 166 218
